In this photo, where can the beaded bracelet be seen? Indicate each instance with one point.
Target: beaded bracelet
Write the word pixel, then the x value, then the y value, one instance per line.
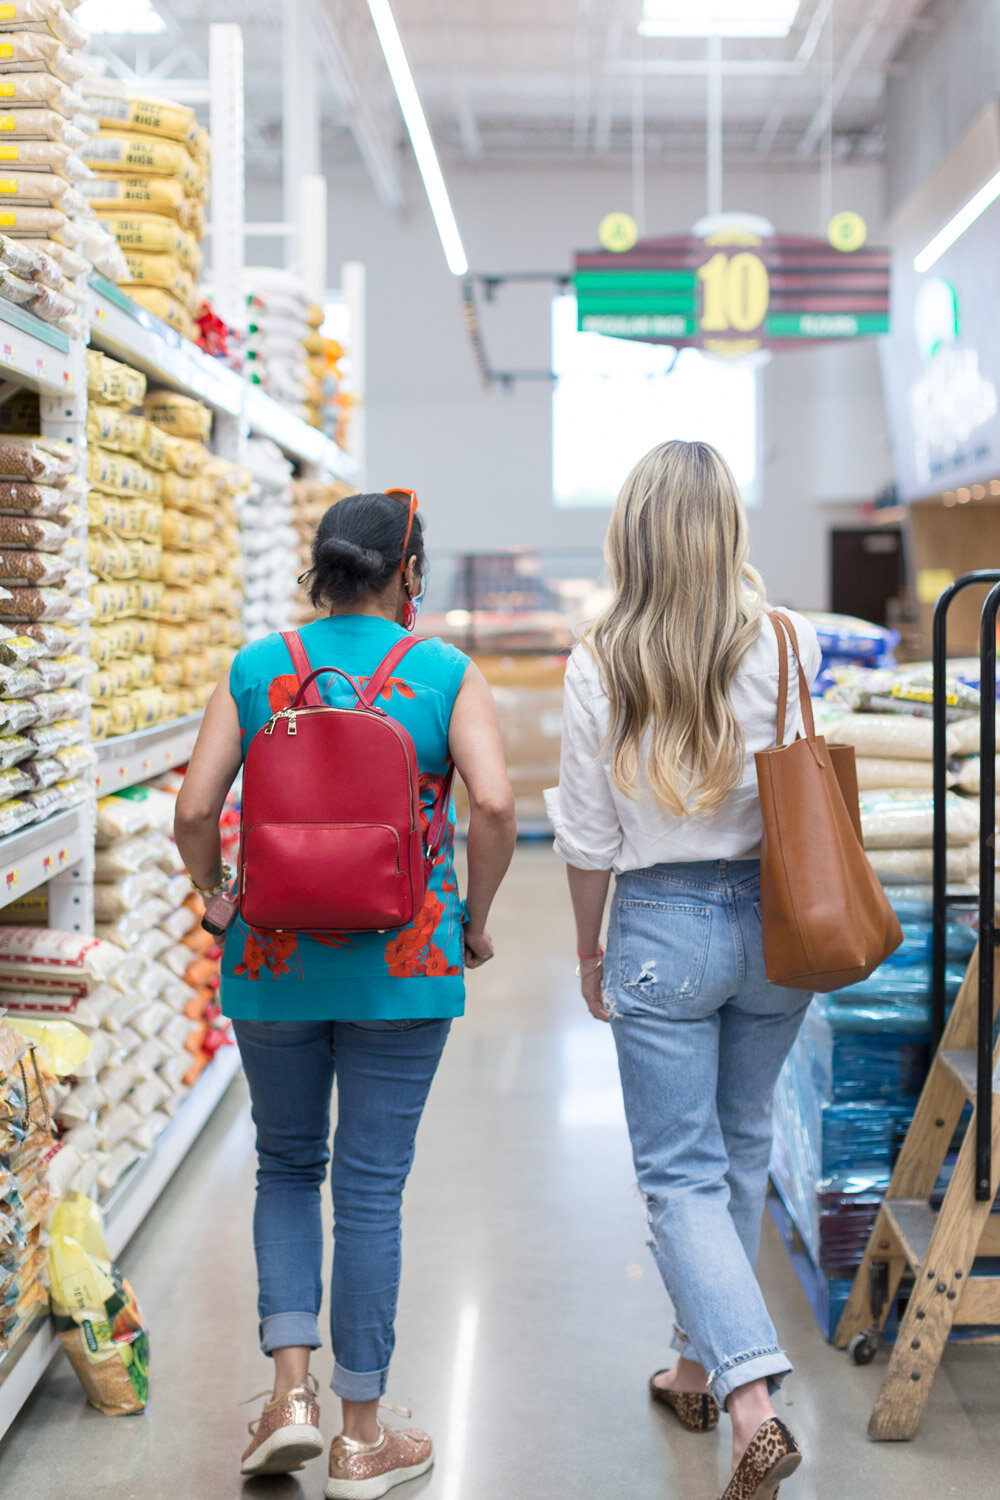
pixel 222 884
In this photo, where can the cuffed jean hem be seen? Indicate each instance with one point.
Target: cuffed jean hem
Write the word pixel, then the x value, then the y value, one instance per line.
pixel 289 1330
pixel 757 1364
pixel 350 1385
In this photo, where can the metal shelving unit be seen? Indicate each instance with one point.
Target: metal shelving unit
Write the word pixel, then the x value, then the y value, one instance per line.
pixel 129 758
pixel 34 353
pixel 42 851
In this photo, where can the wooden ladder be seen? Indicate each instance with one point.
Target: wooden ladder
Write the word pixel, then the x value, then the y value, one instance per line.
pixel 938 1248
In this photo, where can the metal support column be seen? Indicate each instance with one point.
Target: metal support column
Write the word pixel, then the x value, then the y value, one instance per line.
pixel 300 124
pixel 352 282
pixel 228 185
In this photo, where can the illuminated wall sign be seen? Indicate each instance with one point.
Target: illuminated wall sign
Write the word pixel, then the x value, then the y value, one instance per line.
pixel 733 292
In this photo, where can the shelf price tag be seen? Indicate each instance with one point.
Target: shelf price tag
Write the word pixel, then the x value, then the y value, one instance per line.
pixel 13 880
pixel 62 857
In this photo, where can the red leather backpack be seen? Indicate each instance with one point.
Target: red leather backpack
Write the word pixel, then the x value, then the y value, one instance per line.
pixel 331 836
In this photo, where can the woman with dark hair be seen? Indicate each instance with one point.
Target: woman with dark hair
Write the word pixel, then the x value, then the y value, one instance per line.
pixel 370 1010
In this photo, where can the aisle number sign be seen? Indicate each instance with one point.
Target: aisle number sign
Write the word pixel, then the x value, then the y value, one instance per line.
pixel 734 292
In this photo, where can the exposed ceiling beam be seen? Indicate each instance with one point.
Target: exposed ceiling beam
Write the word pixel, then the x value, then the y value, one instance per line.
pixel 803 58
pixel 850 65
pixel 353 59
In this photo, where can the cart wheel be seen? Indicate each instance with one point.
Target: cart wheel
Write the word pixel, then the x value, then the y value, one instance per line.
pixel 862 1348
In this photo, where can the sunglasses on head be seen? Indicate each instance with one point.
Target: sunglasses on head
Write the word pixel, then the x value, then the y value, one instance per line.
pixel 411 497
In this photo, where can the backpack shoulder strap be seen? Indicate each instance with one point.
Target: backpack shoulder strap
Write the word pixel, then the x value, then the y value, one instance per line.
pixel 439 818
pixel 303 668
pixel 385 669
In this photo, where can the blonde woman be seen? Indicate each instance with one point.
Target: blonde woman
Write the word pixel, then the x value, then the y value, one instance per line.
pixel 672 690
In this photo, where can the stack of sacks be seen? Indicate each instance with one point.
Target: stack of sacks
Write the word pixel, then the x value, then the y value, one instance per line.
pixel 43 693
pixel 330 402
pixel 269 541
pixel 849 642
pixel 153 166
pixel 25 1201
pixel 886 716
pixel 126 464
pixel 280 337
pixel 311 499
pixel 42 113
pixel 31 279
pixel 199 619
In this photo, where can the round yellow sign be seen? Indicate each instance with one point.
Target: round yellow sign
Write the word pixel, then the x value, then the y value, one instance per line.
pixel 618 232
pixel 847 231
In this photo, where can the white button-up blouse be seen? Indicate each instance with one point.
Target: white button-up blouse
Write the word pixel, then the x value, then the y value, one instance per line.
pixel 599 828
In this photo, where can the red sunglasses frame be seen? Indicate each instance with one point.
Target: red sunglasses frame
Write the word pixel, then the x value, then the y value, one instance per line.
pixel 412 496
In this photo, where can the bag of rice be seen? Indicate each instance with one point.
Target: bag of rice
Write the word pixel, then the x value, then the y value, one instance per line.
pixel 157 195
pixel 138 113
pixel 180 415
pixel 38 958
pixel 95 1311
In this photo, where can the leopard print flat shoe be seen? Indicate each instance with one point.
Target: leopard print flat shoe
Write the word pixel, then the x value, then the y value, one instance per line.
pixel 772 1455
pixel 698 1413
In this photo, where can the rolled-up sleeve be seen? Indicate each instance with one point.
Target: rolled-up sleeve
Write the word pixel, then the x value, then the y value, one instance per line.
pixel 581 808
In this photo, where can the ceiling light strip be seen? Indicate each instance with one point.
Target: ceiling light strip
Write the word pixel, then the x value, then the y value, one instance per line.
pixel 416 124
pixel 958 224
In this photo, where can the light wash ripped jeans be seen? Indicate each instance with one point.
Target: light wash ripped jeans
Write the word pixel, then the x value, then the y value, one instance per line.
pixel 701 1039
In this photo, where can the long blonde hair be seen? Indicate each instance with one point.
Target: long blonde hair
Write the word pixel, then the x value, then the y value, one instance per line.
pixel 687 607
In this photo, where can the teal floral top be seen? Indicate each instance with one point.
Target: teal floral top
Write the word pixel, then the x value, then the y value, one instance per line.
pixel 412 972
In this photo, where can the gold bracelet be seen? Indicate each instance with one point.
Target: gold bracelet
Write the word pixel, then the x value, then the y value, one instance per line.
pixel 220 885
pixel 582 973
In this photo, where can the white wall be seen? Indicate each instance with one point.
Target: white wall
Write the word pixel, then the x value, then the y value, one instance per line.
pixel 481 459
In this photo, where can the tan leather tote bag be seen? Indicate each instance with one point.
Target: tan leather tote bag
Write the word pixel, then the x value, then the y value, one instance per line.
pixel 826 920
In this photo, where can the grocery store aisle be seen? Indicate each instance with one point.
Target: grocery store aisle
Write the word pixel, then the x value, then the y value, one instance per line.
pixel 531 1313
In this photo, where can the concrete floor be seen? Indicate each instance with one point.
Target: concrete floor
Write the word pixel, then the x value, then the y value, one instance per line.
pixel 531 1313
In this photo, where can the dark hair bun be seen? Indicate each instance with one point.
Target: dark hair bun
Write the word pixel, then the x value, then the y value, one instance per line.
pixel 354 564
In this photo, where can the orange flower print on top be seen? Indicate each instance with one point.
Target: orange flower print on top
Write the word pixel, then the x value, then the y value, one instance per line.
pixel 276 952
pixel 281 692
pixel 412 954
pixel 391 685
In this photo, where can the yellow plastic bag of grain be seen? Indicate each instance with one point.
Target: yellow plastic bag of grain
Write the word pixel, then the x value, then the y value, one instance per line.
pixel 141 156
pixel 158 195
pixel 147 116
pixel 165 306
pixel 95 1312
pixel 179 415
pixel 163 271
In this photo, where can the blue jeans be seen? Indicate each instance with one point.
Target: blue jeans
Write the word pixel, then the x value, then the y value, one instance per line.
pixel 701 1039
pixel 383 1071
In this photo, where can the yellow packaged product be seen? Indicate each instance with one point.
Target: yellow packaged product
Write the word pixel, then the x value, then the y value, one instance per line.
pixel 168 674
pixel 112 382
pixel 143 669
pixel 178 529
pixel 170 642
pixel 141 156
pixel 180 415
pixel 165 306
pixel 100 722
pixel 143 635
pixel 119 475
pixel 107 556
pixel 148 232
pixel 104 425
pixel 150 520
pixel 149 600
pixel 201 600
pixel 149 560
pixel 217 659
pixel 185 456
pixel 178 569
pixel 185 702
pixel 201 694
pixel 102 685
pixel 153 450
pixel 135 112
pixel 158 195
pixel 121 676
pixel 197 635
pixel 218 629
pixel 101 645
pixel 127 637
pixel 163 271
pixel 194 669
pixel 175 606
pixel 133 591
pixel 109 601
pixel 122 713
pixel 148 706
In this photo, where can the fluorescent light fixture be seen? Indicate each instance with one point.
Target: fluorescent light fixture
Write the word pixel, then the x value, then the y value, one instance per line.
pixel 420 136
pixel 958 224
pixel 120 17
pixel 717 17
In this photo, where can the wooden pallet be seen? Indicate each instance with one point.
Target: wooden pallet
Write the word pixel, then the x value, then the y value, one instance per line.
pixel 939 1248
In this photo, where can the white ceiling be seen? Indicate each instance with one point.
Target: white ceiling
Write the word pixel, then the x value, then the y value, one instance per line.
pixel 509 82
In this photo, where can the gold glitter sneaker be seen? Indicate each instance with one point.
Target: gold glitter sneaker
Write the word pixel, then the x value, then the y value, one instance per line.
pixel 363 1471
pixel 772 1454
pixel 285 1434
pixel 696 1412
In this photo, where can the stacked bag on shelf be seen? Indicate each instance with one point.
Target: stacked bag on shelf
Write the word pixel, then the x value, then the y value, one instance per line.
pixel 311 499
pixel 164 546
pixel 41 198
pixel 136 1011
pixel 152 162
pixel 44 698
pixel 282 335
pixel 329 403
pixel 268 540
pixel 26 1143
